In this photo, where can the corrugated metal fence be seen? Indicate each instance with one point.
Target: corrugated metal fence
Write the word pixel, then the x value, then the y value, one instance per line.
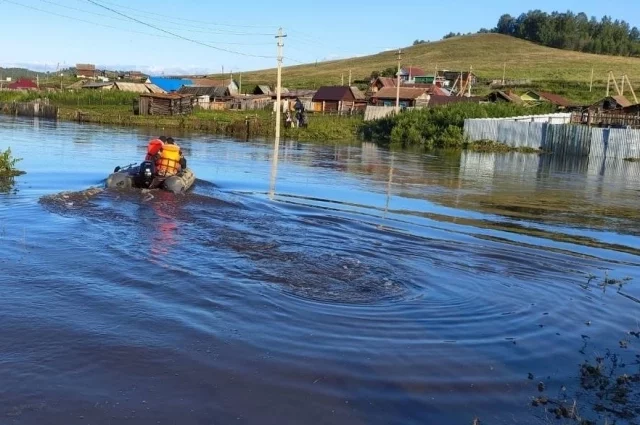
pixel 552 133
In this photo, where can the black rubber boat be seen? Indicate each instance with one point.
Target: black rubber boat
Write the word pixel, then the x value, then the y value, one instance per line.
pixel 143 176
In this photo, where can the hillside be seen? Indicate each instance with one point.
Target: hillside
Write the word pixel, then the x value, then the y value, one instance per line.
pixel 487 53
pixel 15 73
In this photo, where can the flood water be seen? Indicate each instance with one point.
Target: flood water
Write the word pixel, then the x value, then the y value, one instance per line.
pixel 344 285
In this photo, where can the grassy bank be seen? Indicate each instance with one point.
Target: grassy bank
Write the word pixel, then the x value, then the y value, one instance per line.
pixel 441 127
pixel 245 124
pixel 116 108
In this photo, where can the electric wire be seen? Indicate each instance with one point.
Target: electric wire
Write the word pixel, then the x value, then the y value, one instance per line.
pixel 178 35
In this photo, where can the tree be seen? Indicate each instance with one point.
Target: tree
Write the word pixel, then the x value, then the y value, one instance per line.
pixel 416 42
pixel 506 25
pixel 571 31
pixel 389 72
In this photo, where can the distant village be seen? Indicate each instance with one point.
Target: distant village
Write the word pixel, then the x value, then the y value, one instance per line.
pixel 161 95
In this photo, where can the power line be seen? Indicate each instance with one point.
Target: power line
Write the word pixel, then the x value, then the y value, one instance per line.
pixel 188 20
pixel 221 32
pixel 73 18
pixel 177 35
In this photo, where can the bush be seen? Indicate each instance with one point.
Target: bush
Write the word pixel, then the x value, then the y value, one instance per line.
pixel 8 164
pixel 438 127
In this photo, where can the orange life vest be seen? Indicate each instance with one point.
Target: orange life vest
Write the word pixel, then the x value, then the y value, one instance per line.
pixel 169 162
pixel 153 148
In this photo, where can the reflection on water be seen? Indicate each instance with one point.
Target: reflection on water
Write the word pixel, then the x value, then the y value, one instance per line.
pixel 316 284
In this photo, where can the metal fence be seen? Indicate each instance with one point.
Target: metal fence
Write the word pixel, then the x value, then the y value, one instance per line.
pixel 551 134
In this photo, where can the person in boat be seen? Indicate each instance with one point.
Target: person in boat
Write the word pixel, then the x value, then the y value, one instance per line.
pixel 183 160
pixel 153 149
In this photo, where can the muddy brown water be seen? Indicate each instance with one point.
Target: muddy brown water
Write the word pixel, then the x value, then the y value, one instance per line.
pixel 347 285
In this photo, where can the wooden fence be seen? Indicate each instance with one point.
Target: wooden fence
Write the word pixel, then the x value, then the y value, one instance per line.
pixel 29 109
pixel 606 119
pixel 560 139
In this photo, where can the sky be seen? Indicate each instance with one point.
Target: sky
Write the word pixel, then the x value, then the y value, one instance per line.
pixel 198 37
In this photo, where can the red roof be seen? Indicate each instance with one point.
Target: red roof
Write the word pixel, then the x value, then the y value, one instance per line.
pixel 387 81
pixel 413 71
pixel 555 99
pixel 23 83
pixel 406 93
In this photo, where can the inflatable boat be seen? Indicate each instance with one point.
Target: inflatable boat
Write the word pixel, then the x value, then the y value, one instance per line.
pixel 143 176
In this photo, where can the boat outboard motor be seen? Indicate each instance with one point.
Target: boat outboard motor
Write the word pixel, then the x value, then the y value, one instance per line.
pixel 146 173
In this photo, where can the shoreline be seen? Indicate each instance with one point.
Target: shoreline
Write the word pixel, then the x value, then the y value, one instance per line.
pixel 253 124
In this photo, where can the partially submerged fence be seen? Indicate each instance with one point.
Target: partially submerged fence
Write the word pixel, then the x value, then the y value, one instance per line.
pixel 556 136
pixel 29 109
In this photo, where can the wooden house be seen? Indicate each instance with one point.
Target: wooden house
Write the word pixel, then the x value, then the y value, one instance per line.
pixel 409 73
pixel 23 84
pixel 611 103
pixel 381 83
pixel 502 96
pixel 85 70
pixel 534 97
pixel 451 77
pixel 230 84
pixel 409 97
pixel 165 104
pixel 338 99
pixel 263 90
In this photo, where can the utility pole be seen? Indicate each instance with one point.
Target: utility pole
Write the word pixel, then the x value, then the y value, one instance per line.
pixel 591 84
pixel 504 73
pixel 240 88
pixel 398 82
pixel 349 77
pixel 280 36
pixel 342 81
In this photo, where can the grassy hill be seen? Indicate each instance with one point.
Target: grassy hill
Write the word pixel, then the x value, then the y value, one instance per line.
pixel 486 53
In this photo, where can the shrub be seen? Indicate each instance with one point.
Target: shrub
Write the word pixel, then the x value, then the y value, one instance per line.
pixel 438 127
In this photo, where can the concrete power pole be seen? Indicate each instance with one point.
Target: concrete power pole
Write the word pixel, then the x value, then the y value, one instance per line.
pixel 280 36
pixel 398 82
pixel 349 78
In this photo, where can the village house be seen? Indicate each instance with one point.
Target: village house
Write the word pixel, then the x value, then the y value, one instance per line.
pixel 611 103
pixel 453 77
pixel 501 96
pixel 409 97
pixel 230 84
pixel 118 86
pixel 164 104
pixel 428 79
pixel 380 83
pixel 23 84
pixel 170 84
pixel 338 99
pixel 84 70
pixel 534 97
pixel 263 90
pixel 409 73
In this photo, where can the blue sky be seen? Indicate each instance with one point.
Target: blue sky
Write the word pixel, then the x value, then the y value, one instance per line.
pixel 43 33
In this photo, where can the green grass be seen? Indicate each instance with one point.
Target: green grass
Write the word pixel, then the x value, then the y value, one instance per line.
pixel 84 98
pixel 486 53
pixel 241 124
